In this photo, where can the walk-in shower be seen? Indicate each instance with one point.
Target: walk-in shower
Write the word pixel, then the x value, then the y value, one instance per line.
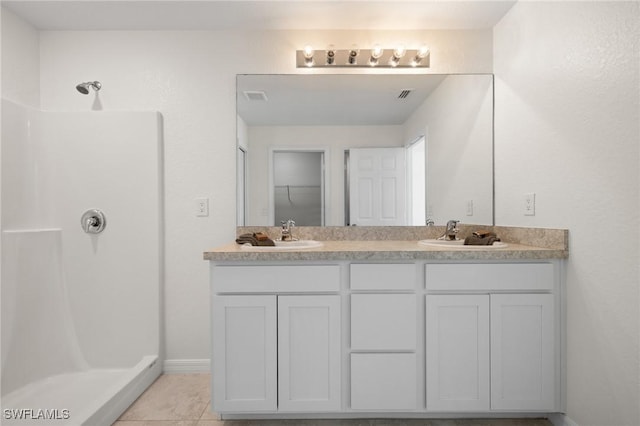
pixel 80 307
pixel 84 87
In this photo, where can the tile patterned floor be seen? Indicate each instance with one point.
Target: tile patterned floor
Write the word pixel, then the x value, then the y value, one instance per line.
pixel 183 400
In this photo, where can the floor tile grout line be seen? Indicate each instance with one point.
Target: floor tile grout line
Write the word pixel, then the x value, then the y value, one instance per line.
pixel 204 410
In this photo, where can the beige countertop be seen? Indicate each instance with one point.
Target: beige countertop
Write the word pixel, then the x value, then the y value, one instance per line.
pixel 385 250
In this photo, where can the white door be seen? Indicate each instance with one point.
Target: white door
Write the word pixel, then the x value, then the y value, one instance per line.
pixel 245 360
pixel 309 353
pixel 457 352
pixel 522 348
pixel 377 186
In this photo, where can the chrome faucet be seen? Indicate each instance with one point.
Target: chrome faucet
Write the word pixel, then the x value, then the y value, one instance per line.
pixel 287 230
pixel 451 231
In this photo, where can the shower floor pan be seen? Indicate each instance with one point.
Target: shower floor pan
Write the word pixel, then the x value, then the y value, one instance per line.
pixel 91 397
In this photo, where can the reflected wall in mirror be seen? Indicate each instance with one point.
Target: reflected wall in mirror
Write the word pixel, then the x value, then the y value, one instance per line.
pixel 451 115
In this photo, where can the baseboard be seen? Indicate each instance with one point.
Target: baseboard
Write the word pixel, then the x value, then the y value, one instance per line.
pixel 559 419
pixel 177 366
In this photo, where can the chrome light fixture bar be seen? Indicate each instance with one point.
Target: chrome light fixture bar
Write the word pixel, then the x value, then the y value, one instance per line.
pixel 376 57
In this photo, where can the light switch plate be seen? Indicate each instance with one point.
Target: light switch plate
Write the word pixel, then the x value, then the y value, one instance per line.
pixel 202 207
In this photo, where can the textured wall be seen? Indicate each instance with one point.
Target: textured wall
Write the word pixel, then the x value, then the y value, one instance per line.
pixel 190 78
pixel 567 128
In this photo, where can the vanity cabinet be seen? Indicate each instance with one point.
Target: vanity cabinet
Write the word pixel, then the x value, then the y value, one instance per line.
pixel 245 366
pixel 457 352
pixel 421 338
pixel 522 352
pixel 493 348
pixel 309 353
pixel 383 334
pixel 276 352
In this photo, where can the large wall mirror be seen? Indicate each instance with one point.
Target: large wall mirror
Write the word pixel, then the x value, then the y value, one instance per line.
pixel 381 149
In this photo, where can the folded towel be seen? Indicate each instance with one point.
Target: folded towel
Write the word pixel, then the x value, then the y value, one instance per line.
pixel 255 240
pixel 474 240
pixel 482 233
pixel 261 236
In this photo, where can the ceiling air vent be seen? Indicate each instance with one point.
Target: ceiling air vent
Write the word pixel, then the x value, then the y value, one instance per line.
pixel 404 94
pixel 255 95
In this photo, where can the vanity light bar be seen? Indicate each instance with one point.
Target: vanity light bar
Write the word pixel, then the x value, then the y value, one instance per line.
pixel 363 58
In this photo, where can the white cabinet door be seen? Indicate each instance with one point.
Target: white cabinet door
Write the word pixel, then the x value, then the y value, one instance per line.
pixel 309 353
pixel 522 352
pixel 457 352
pixel 383 381
pixel 377 186
pixel 244 353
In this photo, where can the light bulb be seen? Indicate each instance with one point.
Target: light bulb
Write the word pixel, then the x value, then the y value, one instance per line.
pixel 353 55
pixel 308 55
pixel 308 52
pixel 398 53
pixel 376 53
pixel 331 55
pixel 423 52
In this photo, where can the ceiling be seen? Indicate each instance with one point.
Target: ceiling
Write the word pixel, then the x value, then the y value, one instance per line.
pixel 258 14
pixel 381 104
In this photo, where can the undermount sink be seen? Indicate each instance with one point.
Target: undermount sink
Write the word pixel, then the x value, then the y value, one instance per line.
pixel 459 244
pixel 286 245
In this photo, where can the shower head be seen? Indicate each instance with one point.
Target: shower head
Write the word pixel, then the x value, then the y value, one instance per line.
pixel 84 87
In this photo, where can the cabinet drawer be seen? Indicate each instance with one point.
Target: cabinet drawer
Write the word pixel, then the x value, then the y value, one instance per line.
pixel 494 276
pixel 383 276
pixel 383 322
pixel 276 278
pixel 383 382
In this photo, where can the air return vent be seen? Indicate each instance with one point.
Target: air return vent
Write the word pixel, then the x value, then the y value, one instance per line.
pixel 255 95
pixel 404 94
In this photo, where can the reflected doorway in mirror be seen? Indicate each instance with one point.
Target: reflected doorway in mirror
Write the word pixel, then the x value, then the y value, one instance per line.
pixel 298 189
pixel 377 186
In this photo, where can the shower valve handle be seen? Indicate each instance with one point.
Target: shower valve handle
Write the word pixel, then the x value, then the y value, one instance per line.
pixel 93 221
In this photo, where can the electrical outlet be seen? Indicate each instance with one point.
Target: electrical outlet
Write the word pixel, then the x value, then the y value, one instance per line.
pixel 470 208
pixel 202 207
pixel 530 204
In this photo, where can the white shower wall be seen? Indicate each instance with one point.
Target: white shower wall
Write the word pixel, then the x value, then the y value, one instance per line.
pixel 56 165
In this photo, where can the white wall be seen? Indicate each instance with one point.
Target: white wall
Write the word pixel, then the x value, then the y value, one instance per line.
pixel 190 78
pixel 335 138
pixel 567 128
pixel 20 61
pixel 456 120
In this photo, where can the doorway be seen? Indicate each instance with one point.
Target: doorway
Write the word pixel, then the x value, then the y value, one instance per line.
pixel 298 187
pixel 376 180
